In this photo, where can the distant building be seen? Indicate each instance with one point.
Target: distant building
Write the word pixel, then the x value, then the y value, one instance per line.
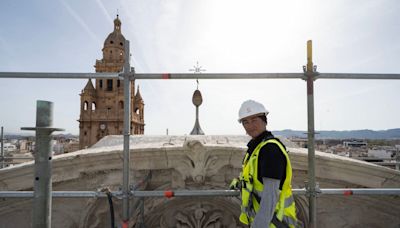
pixel 301 142
pixel 102 107
pixel 383 154
pixel 354 143
pixel 26 144
pixel 8 148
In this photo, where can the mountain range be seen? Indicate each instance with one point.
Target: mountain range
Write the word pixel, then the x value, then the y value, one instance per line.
pixel 352 134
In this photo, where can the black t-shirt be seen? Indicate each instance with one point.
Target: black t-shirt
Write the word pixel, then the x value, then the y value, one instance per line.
pixel 271 160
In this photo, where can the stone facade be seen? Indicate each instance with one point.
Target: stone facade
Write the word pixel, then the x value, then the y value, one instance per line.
pixel 102 106
pixel 193 163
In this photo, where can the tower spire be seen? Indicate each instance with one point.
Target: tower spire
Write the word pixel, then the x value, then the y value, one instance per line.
pixel 197 101
pixel 117 24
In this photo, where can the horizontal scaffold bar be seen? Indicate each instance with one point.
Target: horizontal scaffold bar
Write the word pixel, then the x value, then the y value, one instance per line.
pixel 16 157
pixel 221 76
pixel 145 76
pixel 50 75
pixel 55 75
pixel 356 76
pixel 266 76
pixel 360 191
pixel 199 193
pixel 57 194
pixel 183 193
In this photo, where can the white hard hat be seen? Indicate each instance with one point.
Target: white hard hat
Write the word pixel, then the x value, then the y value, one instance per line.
pixel 250 108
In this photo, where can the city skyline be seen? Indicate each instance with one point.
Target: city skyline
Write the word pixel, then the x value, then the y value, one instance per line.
pixel 223 36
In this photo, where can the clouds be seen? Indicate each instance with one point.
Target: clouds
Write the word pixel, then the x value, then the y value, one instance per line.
pixel 81 22
pixel 104 10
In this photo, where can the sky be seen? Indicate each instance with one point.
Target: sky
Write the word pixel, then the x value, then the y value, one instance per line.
pixel 224 36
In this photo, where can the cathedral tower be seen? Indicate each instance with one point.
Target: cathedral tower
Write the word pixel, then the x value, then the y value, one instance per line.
pixel 102 107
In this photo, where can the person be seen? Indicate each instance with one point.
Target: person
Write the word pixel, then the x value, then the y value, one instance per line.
pixel 265 180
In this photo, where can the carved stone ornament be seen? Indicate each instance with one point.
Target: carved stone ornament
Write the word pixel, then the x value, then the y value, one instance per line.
pixel 197 162
pixel 199 215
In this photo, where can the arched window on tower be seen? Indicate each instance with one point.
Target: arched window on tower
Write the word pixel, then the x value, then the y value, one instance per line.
pixel 93 106
pixel 121 104
pixel 85 105
pixel 109 84
pixel 101 83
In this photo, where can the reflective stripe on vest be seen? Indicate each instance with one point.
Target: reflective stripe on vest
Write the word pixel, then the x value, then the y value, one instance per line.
pixel 252 188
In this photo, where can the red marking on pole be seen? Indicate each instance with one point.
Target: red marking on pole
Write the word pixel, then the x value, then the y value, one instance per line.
pixel 125 224
pixel 169 194
pixel 348 193
pixel 166 76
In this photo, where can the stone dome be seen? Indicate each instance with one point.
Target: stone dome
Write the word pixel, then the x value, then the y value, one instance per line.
pixel 115 39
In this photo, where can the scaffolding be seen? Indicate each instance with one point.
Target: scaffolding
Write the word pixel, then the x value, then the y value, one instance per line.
pixel 2 148
pixel 312 190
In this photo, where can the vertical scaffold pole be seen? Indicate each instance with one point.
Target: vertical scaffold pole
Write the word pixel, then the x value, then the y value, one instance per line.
pixel 311 138
pixel 127 126
pixel 42 183
pixel 2 148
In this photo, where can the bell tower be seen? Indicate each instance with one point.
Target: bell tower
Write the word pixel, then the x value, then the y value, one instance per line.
pixel 102 105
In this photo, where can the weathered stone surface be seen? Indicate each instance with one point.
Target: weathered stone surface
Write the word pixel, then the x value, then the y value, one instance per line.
pixel 194 162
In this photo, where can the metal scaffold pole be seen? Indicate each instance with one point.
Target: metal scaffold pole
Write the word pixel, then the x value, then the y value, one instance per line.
pixel 127 125
pixel 310 73
pixel 2 148
pixel 42 184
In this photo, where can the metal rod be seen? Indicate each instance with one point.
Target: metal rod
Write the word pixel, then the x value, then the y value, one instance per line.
pixel 311 134
pixel 356 76
pixel 127 125
pixel 266 76
pixel 360 191
pixel 51 75
pixel 12 162
pixel 42 183
pixel 221 76
pixel 190 193
pixel 55 75
pixel 185 193
pixel 2 148
pixel 302 191
pixel 19 157
pixel 56 194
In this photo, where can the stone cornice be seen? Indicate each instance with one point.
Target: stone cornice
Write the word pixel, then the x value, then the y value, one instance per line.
pixel 193 157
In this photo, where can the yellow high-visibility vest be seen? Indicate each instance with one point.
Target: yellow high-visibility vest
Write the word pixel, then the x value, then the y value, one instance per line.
pixel 251 189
